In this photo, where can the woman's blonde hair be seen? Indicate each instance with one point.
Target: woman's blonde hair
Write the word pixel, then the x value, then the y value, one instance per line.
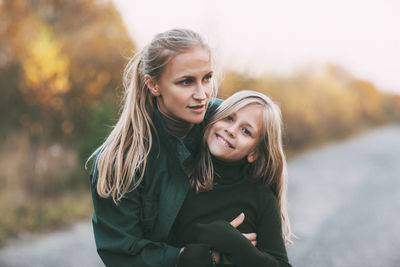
pixel 121 160
pixel 270 166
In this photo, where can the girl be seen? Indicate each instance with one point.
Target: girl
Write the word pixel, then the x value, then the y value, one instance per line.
pixel 138 183
pixel 242 161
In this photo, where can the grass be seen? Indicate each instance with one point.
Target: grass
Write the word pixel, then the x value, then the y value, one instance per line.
pixel 42 187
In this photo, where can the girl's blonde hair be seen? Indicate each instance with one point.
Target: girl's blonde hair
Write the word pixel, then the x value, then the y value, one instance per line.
pixel 121 160
pixel 270 166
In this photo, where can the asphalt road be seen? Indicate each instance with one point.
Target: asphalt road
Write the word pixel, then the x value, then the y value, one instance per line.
pixel 344 203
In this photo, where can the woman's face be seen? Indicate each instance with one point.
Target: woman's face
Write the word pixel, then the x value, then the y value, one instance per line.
pixel 236 136
pixel 184 88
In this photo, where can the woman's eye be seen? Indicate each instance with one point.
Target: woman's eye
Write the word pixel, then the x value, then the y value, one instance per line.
pixel 246 132
pixel 186 81
pixel 207 77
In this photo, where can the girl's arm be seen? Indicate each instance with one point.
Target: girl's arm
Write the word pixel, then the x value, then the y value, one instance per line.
pixel 269 233
pixel 221 236
pixel 270 250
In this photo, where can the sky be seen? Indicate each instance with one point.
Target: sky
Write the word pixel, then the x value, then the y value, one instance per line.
pixel 281 36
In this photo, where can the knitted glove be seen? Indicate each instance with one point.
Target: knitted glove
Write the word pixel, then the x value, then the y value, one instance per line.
pixel 195 255
pixel 223 237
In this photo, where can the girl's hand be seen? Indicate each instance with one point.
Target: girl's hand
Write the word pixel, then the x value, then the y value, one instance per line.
pixel 250 236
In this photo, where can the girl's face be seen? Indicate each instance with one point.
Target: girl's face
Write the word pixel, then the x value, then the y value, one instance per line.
pixel 236 136
pixel 184 88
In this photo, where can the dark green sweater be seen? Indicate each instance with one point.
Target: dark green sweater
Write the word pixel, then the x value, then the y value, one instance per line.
pixel 231 195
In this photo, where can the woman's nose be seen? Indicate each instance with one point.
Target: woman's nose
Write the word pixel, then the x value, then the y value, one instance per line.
pixel 200 92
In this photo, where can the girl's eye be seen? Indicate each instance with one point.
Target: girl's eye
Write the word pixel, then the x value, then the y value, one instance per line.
pixel 246 132
pixel 229 118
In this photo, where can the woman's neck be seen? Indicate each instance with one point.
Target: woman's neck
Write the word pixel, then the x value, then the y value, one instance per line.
pixel 178 128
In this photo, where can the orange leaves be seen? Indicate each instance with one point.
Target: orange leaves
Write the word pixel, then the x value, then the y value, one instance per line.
pixel 46 70
pixel 319 105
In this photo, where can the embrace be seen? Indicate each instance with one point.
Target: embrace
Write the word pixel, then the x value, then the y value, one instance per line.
pixel 185 179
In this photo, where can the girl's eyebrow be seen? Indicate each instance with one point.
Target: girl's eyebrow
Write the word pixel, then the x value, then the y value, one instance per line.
pixel 232 115
pixel 250 126
pixel 253 127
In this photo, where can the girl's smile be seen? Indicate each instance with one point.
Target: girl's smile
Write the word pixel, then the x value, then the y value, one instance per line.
pixel 224 141
pixel 236 136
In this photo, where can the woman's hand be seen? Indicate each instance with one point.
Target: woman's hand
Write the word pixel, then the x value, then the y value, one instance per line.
pixel 250 236
pixel 217 256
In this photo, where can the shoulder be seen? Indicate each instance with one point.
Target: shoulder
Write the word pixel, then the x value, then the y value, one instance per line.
pixel 266 197
pixel 93 170
pixel 212 107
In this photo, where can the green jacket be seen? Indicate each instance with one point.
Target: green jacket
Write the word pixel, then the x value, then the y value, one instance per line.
pixel 134 232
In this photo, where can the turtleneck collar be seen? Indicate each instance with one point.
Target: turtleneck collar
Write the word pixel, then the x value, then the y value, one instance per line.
pixel 228 172
pixel 178 128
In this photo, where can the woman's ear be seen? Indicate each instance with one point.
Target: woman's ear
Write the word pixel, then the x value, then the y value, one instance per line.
pixel 252 156
pixel 152 85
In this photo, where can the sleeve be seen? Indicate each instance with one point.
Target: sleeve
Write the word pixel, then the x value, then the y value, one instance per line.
pixel 119 233
pixel 270 250
pixel 269 234
pixel 195 255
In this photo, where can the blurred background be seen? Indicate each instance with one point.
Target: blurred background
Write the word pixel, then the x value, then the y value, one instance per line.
pixel 333 68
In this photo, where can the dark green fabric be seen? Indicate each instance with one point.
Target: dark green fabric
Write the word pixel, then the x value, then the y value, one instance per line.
pixel 134 232
pixel 195 255
pixel 204 218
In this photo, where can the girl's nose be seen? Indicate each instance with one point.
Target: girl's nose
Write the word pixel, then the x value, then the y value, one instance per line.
pixel 231 131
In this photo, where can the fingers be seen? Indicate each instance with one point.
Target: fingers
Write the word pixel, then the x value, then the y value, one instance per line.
pixel 238 220
pixel 252 237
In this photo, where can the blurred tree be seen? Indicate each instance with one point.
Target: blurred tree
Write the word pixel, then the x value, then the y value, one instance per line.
pixel 319 105
pixel 58 61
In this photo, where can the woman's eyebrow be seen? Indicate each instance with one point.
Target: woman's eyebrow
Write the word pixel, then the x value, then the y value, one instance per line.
pixel 185 76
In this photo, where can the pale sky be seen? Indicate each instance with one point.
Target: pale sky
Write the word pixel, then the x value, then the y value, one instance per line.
pixel 283 36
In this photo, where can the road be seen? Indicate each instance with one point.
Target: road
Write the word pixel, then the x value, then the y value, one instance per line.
pixel 344 202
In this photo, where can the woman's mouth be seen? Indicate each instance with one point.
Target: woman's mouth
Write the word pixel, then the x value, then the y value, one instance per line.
pixel 197 108
pixel 223 141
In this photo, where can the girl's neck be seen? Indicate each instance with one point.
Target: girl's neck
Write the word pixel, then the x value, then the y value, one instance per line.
pixel 227 172
pixel 178 128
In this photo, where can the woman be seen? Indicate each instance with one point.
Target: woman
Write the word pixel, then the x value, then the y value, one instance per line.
pixel 138 183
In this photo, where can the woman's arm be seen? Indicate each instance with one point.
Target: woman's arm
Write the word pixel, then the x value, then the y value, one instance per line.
pixel 119 234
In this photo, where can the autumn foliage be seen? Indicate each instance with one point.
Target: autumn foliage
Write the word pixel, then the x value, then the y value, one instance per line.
pixel 320 105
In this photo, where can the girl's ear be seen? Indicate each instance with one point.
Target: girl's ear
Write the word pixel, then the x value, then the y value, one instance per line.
pixel 152 85
pixel 252 156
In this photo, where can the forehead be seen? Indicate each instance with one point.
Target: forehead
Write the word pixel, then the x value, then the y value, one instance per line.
pixel 195 61
pixel 251 114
